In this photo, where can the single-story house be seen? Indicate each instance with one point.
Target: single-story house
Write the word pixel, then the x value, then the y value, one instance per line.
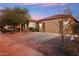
pixel 57 24
pixel 54 24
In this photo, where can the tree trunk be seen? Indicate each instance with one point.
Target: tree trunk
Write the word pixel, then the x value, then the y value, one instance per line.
pixel 20 28
pixel 23 27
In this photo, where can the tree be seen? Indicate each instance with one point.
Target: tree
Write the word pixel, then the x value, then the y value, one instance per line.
pixel 15 16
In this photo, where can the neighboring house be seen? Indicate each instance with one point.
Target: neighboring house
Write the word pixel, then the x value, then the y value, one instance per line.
pixel 32 25
pixel 57 24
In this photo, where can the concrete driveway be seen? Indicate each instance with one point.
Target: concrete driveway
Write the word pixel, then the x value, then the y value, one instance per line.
pixel 32 43
pixel 10 47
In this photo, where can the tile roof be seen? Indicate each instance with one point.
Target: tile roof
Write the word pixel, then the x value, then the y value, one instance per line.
pixel 57 16
pixel 33 20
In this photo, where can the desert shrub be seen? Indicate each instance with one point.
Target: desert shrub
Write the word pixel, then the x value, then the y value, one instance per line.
pixel 75 28
pixel 71 49
pixel 2 30
pixel 32 29
pixel 76 40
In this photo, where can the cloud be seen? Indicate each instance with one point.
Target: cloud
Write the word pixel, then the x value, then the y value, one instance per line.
pixel 51 4
pixel 29 3
pixel 45 4
pixel 37 16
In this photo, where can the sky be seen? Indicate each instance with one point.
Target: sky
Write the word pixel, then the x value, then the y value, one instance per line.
pixel 42 10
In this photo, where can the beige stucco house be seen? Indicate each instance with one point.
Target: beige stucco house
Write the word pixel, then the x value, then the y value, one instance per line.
pixel 32 23
pixel 57 24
